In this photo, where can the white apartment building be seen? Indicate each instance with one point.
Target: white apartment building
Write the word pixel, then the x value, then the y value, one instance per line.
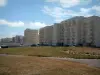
pixel 31 37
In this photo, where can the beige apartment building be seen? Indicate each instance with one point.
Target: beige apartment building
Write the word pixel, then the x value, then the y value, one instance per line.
pixel 58 34
pixel 31 37
pixel 41 36
pixel 82 31
pixel 78 30
pixel 93 31
pixel 45 35
pixel 48 35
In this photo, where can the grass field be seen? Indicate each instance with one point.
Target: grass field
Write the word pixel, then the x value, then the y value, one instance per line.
pixel 71 52
pixel 27 65
pixel 28 61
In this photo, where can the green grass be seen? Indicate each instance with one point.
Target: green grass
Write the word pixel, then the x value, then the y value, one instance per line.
pixel 71 52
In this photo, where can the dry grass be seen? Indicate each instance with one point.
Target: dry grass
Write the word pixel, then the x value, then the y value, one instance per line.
pixel 72 52
pixel 26 65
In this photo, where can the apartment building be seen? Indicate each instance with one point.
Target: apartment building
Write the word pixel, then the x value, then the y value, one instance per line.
pixel 18 39
pixel 45 35
pixel 31 37
pixel 48 35
pixel 93 31
pixel 55 35
pixel 67 32
pixel 6 40
pixel 58 34
pixel 41 36
pixel 78 30
pixel 74 31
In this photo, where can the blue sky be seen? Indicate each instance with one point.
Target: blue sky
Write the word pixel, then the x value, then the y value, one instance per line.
pixel 17 15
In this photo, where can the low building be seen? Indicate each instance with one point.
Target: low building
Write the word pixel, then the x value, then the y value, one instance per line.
pixel 18 39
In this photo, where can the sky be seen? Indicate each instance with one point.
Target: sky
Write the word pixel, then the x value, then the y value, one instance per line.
pixel 17 15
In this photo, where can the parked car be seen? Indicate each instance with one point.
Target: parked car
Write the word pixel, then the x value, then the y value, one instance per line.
pixel 33 45
pixel 4 46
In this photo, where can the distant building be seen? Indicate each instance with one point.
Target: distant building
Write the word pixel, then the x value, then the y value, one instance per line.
pixel 6 40
pixel 31 37
pixel 18 39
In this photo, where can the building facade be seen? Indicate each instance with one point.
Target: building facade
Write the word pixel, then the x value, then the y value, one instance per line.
pixel 48 35
pixel 6 40
pixel 45 35
pixel 41 36
pixel 58 34
pixel 18 39
pixel 93 31
pixel 78 30
pixel 31 37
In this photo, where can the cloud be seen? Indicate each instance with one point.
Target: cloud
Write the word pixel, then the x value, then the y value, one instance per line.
pixel 3 3
pixel 12 24
pixel 35 25
pixel 32 25
pixel 96 9
pixel 51 0
pixel 56 12
pixel 60 14
pixel 85 12
pixel 70 3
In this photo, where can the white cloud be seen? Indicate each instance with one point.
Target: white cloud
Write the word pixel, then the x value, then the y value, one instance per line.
pixel 57 12
pixel 97 9
pixel 60 13
pixel 85 12
pixel 34 25
pixel 51 0
pixel 12 24
pixel 70 3
pixel 3 3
